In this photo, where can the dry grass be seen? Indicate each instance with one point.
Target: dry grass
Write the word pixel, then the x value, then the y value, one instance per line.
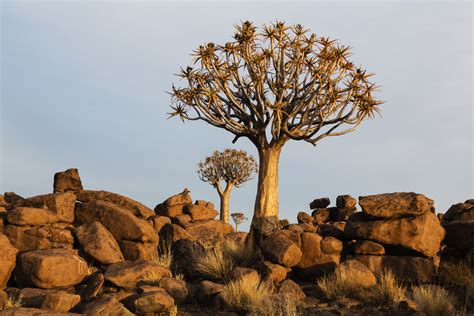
pixel 246 293
pixel 179 276
pixel 11 302
pixel 458 274
pixel 164 257
pixel 342 284
pixel 388 289
pixel 239 253
pixel 214 263
pixel 277 305
pixel 434 300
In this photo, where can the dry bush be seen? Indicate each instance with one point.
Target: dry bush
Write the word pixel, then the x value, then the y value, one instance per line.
pixel 434 300
pixel 239 253
pixel 277 305
pixel 342 283
pixel 11 302
pixel 458 274
pixel 245 293
pixel 388 289
pixel 165 257
pixel 214 263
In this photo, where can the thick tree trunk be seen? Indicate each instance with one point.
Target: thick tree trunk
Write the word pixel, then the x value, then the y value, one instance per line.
pixel 265 218
pixel 225 198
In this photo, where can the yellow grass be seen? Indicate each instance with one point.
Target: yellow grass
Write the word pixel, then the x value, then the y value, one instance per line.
pixel 433 300
pixel 164 257
pixel 277 305
pixel 388 289
pixel 214 263
pixel 239 253
pixel 11 303
pixel 342 283
pixel 458 274
pixel 245 293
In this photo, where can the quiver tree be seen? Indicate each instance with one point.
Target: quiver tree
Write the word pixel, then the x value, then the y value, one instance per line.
pixel 273 85
pixel 233 167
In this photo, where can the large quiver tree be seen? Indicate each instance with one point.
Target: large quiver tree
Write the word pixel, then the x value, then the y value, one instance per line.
pixel 271 86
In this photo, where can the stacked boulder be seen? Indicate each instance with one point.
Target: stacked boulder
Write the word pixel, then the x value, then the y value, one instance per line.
pixel 83 251
pixel 397 231
pixel 458 222
pixel 179 218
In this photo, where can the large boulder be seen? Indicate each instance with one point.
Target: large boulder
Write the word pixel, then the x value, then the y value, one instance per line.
pixel 152 302
pixel 121 222
pixel 179 199
pixel 105 306
pixel 171 233
pixel 136 250
pixel 314 261
pixel 345 201
pixel 174 205
pixel 393 205
pixel 128 273
pixel 135 207
pixel 30 216
pixel 209 231
pixel 176 288
pixel 99 243
pixel 185 253
pixel 200 212
pixel 459 234
pixel 281 250
pixel 460 212
pixel 319 203
pixel 60 302
pixel 68 180
pixel 7 260
pixel 158 222
pixel 60 203
pixel 367 247
pixel 422 233
pixel 405 268
pixel 364 275
pixel 51 268
pixel 36 238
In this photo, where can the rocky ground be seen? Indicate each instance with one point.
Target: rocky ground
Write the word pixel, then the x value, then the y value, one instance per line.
pixel 78 251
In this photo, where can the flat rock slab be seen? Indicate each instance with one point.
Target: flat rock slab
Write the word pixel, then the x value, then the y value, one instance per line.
pixel 31 216
pixel 128 273
pixel 421 233
pixel 60 203
pixel 37 238
pixel 394 205
pixel 51 268
pixel 106 305
pixel 137 208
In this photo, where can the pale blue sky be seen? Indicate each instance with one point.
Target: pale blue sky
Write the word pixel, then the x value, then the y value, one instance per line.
pixel 83 85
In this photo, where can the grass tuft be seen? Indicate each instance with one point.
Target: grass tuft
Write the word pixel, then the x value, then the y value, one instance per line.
pixel 433 300
pixel 388 289
pixel 245 293
pixel 277 305
pixel 342 283
pixel 164 257
pixel 240 254
pixel 11 302
pixel 214 263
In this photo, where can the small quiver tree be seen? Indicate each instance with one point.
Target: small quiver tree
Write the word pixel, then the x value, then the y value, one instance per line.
pixel 238 219
pixel 233 167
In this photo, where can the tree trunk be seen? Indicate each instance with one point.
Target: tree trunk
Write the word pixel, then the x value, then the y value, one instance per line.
pixel 265 218
pixel 225 198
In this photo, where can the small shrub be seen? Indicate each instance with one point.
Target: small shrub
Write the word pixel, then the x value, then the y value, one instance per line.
pixel 433 300
pixel 164 257
pixel 213 263
pixel 245 293
pixel 388 289
pixel 239 253
pixel 342 283
pixel 277 305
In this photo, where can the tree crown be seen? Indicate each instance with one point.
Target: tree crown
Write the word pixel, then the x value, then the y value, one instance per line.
pixel 280 83
pixel 232 166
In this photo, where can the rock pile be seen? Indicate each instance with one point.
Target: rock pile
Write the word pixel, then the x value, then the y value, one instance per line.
pixel 397 231
pixel 458 222
pixel 95 252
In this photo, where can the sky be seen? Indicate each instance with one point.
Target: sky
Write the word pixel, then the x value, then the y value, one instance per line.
pixel 83 84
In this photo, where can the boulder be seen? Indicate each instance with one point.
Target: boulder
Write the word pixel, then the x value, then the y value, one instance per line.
pixel 200 212
pixel 171 233
pixel 29 216
pixel 281 250
pixel 185 253
pixel 276 272
pixel 24 311
pixel 37 238
pixel 304 217
pixel 29 297
pixel 60 203
pixel 320 203
pixel 51 268
pixel 205 203
pixel 180 198
pixel 422 233
pixel 99 243
pixel 177 289
pixel 181 220
pixel 341 214
pixel 314 261
pixel 135 207
pixel 136 250
pixel 207 290
pixel 364 275
pixel 292 290
pixel 310 228
pixel 7 260
pixel 459 234
pixel 335 230
pixel 239 272
pixel 128 273
pixel 60 302
pixel 460 212
pixel 68 180
pixel 367 247
pixel 159 221
pixel 395 205
pixel 405 268
pixel 345 201
pixel 121 222
pixel 322 215
pixel 105 306
pixel 93 286
pixel 331 245
pixel 169 211
pixel 152 302
pixel 11 198
pixel 209 231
